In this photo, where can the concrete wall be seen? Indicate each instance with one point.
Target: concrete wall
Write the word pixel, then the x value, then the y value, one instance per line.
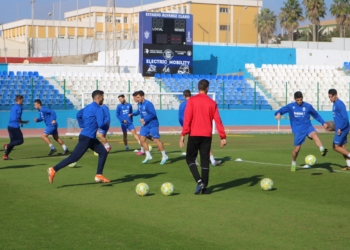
pixel 336 44
pixel 170 118
pixel 322 57
pixel 230 59
pixel 13 48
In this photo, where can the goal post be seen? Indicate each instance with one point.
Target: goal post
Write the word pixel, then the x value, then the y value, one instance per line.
pixel 161 100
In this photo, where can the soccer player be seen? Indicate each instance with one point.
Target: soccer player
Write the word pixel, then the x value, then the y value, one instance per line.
pixel 15 121
pixel 123 111
pixel 187 94
pixel 299 115
pixel 49 117
pixel 198 123
pixel 101 132
pixel 341 121
pixel 150 126
pixel 90 119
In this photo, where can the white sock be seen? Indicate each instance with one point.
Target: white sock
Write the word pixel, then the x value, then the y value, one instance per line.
pixel 164 154
pixel 321 148
pixel 107 145
pixel 148 154
pixel 139 143
pixel 294 163
pixel 142 150
pixel 52 146
pixel 197 162
pixel 348 163
pixel 349 155
pixel 64 147
pixel 212 159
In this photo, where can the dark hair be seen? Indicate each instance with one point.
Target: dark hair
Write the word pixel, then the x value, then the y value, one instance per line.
pixel 187 93
pixel 19 97
pixel 140 92
pixel 298 94
pixel 122 96
pixel 332 92
pixel 135 93
pixel 203 84
pixel 96 93
pixel 38 101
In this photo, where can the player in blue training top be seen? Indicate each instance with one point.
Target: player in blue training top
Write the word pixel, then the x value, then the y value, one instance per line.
pixel 150 125
pixel 15 121
pixel 49 117
pixel 341 121
pixel 187 94
pixel 90 119
pixel 123 111
pixel 103 132
pixel 299 115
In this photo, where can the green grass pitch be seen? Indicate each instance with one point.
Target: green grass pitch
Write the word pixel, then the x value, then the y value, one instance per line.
pixel 308 209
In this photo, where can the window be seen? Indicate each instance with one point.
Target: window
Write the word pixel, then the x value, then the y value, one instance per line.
pixel 223 10
pixel 117 20
pixel 125 19
pixel 225 27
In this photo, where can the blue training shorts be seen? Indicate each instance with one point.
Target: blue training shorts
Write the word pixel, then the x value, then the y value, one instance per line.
pixel 150 130
pixel 51 131
pixel 126 127
pixel 342 138
pixel 299 138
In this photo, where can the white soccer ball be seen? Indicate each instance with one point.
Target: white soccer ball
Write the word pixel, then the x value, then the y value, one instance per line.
pixel 266 184
pixel 310 160
pixel 150 148
pixel 95 154
pixel 167 188
pixel 72 165
pixel 142 189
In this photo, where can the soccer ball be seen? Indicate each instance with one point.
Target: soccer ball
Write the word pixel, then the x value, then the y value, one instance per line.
pixel 310 160
pixel 167 188
pixel 150 148
pixel 266 184
pixel 95 154
pixel 142 189
pixel 72 165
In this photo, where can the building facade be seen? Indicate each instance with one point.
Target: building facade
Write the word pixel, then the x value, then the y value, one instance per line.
pixel 219 21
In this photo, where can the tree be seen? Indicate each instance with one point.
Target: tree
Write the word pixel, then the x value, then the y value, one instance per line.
pixel 265 22
pixel 290 16
pixel 341 10
pixel 314 10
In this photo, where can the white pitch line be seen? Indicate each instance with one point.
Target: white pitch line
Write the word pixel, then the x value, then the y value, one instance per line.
pixel 285 165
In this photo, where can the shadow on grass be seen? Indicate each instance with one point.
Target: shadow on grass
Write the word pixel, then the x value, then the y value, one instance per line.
pixel 21 166
pixel 235 183
pixel 326 165
pixel 126 178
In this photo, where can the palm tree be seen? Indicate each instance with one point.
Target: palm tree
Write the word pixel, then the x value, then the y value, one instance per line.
pixel 290 16
pixel 266 23
pixel 341 10
pixel 314 10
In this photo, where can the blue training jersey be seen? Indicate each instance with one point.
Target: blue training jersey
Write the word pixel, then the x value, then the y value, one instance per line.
pixel 15 116
pixel 47 115
pixel 106 115
pixel 122 112
pixel 341 118
pixel 182 112
pixel 148 113
pixel 300 116
pixel 90 119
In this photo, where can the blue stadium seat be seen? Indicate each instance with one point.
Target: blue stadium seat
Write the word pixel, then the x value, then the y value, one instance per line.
pixel 235 77
pixel 30 73
pixel 35 73
pixel 11 73
pixel 157 76
pixel 190 76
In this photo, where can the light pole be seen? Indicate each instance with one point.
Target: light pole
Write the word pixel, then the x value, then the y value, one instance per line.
pixel 32 46
pixel 239 19
pixel 47 35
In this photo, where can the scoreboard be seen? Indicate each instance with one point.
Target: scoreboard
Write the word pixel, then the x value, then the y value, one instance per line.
pixel 166 43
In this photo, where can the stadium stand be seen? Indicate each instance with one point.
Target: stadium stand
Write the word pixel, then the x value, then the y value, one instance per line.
pixel 232 91
pixel 32 86
pixel 279 82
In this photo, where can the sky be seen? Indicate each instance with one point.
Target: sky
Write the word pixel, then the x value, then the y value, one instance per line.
pixel 21 9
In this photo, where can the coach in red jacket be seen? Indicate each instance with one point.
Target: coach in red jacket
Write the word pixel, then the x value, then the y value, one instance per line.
pixel 198 123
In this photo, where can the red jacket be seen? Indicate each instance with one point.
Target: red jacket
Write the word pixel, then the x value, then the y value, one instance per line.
pixel 200 112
